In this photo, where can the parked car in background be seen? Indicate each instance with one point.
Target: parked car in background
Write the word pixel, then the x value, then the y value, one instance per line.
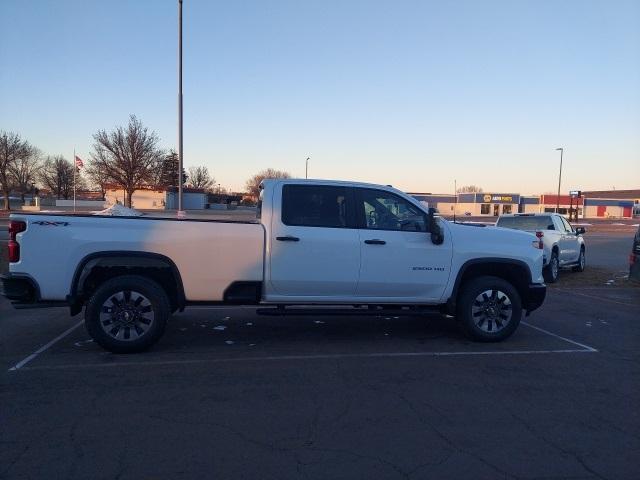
pixel 634 258
pixel 562 244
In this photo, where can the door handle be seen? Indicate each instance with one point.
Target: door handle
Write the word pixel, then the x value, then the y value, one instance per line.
pixel 375 241
pixel 288 238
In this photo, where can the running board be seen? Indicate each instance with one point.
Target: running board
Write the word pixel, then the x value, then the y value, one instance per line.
pixel 386 312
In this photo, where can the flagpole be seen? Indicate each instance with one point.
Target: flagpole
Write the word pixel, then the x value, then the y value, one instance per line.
pixel 74 179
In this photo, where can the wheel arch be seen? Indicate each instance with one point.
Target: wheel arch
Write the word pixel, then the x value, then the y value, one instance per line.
pixel 96 267
pixel 514 271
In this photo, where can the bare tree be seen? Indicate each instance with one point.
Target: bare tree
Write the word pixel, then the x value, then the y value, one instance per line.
pixel 57 175
pixel 24 171
pixel 199 177
pixel 470 189
pixel 12 149
pixel 127 155
pixel 98 176
pixel 253 184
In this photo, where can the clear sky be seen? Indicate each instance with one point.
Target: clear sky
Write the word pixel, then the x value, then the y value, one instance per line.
pixel 414 94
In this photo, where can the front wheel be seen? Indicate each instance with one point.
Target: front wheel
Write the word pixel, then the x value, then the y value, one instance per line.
pixel 489 309
pixel 581 262
pixel 127 314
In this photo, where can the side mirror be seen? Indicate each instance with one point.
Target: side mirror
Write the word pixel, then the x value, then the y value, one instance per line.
pixel 437 235
pixel 580 231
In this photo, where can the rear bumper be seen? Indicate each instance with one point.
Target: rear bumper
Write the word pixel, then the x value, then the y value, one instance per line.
pixel 534 296
pixel 19 288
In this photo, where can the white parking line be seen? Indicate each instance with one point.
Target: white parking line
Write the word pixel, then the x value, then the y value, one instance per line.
pixel 586 347
pixel 26 360
pixel 583 349
pixel 335 356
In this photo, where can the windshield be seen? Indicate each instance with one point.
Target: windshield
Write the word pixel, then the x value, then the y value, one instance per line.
pixel 526 223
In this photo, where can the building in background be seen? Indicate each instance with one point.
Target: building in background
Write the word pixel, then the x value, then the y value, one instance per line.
pixel 154 199
pixel 443 203
pixel 488 204
pixel 611 203
pixel 596 204
pixel 549 203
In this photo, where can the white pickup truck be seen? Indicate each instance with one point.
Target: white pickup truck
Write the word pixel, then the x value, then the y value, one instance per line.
pixel 563 246
pixel 358 247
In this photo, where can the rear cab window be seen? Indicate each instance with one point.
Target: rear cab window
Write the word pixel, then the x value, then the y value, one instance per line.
pixel 526 223
pixel 317 206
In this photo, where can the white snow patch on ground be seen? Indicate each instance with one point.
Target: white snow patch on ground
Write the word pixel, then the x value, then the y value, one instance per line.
pixel 220 327
pixel 118 210
pixel 229 342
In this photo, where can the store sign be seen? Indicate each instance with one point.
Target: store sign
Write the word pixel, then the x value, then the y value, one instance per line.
pixel 497 198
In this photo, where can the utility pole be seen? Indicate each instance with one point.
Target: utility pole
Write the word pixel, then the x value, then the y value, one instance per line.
pixel 180 179
pixel 559 180
pixel 306 168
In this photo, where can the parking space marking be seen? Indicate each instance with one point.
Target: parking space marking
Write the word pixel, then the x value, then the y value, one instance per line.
pixel 328 356
pixel 583 349
pixel 26 360
pixel 586 347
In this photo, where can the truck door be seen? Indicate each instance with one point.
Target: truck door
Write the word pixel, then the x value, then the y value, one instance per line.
pixel 399 261
pixel 314 247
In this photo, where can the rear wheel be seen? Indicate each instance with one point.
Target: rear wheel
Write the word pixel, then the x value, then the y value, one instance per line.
pixel 127 314
pixel 489 309
pixel 552 270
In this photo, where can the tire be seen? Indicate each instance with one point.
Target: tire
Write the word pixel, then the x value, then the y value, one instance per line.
pixel 127 314
pixel 552 271
pixel 488 309
pixel 582 261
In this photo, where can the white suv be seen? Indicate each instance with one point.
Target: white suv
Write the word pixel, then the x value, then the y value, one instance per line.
pixel 563 245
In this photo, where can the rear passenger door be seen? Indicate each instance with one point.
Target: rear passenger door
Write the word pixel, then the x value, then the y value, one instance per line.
pixel 572 241
pixel 564 242
pixel 314 250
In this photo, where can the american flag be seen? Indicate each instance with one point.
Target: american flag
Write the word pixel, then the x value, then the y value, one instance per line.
pixel 79 162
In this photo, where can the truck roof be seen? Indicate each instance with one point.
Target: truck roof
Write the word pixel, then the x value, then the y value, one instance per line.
pixel 318 181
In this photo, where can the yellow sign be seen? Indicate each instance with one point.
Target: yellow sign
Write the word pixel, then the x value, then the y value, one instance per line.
pixel 487 199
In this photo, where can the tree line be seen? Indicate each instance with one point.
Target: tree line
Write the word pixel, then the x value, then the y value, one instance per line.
pixel 128 157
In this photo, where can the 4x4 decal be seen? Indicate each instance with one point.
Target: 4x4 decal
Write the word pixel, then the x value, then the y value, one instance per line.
pixel 45 223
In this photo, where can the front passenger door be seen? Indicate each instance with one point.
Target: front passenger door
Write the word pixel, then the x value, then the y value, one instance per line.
pixel 399 263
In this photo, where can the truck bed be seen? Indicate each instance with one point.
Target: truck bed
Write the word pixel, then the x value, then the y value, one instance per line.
pixel 209 254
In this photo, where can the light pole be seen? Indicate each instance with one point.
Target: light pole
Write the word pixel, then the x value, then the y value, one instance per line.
pixel 559 180
pixel 180 179
pixel 306 168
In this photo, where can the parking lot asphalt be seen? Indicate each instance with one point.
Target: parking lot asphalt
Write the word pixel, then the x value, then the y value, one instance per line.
pixel 229 394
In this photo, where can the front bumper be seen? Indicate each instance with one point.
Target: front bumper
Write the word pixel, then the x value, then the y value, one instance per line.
pixel 534 296
pixel 20 288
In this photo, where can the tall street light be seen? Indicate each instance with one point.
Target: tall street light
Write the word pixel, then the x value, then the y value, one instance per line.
pixel 306 168
pixel 180 179
pixel 559 180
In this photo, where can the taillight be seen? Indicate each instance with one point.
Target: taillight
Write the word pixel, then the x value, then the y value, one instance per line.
pixel 15 227
pixel 538 243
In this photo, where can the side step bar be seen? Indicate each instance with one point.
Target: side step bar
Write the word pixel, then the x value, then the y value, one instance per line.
pixel 355 311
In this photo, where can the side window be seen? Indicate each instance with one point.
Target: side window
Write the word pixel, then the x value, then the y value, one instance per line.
pixel 386 211
pixel 314 206
pixel 557 224
pixel 566 224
